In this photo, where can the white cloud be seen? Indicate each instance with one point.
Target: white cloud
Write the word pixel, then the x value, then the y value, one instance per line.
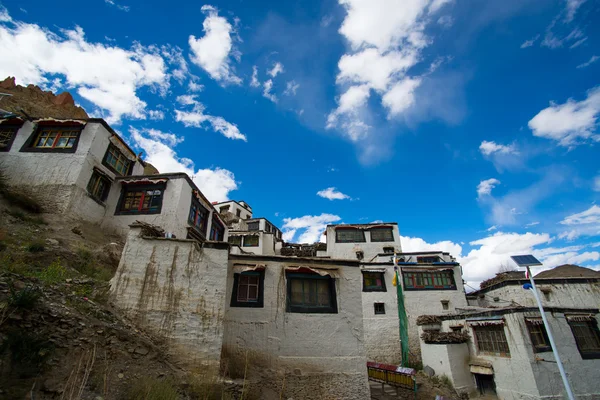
pixel 156 115
pixel 119 6
pixel 267 86
pixel 254 81
pixel 492 228
pixel 589 216
pixel 195 87
pixel 530 42
pixel 446 21
pixel 214 50
pixel 312 227
pixel 534 223
pixel 277 69
pixel 589 62
pixel 488 148
pixel 401 96
pixel 291 88
pixel 596 184
pixel 108 76
pixel 332 193
pixel 485 187
pixel 414 244
pixel 197 118
pixel 4 15
pixel 572 7
pixel 436 5
pixel 570 123
pixel 158 146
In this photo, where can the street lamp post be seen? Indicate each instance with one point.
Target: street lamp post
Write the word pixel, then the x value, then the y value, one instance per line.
pixel 528 261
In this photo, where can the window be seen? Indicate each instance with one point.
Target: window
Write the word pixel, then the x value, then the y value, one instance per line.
pixel 235 240
pixel 379 308
pixel 238 213
pixel 224 209
pixel 116 160
pixel 7 135
pixel 138 199
pixel 373 282
pixel 429 280
pixel 248 288
pixel 349 235
pixel 198 217
pixel 456 328
pixel 445 304
pixel 98 186
pixel 59 138
pixel 251 241
pixel 217 231
pixel 310 293
pixel 491 340
pixel 268 227
pixel 538 335
pixel 428 260
pixel 587 337
pixel 253 226
pixel 388 250
pixel 384 234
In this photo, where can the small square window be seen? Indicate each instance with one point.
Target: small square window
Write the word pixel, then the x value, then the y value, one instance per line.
pixel 141 199
pixel 379 308
pixel 224 209
pixel 456 328
pixel 310 293
pixel 445 304
pixel 116 161
pixel 98 186
pixel 248 288
pixel 238 212
pixel 587 336
pixel 538 335
pixel 374 282
pixel 7 136
pixel 491 340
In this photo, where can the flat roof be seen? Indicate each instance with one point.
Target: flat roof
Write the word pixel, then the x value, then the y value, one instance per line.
pixel 370 224
pixel 507 310
pixel 247 206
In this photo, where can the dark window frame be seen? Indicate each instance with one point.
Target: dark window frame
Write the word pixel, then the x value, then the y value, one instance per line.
pixel 105 162
pixel 229 240
pixel 14 127
pixel 381 288
pixel 193 222
pixel 379 308
pixel 310 309
pixel 382 228
pixel 261 289
pixel 216 224
pixel 251 245
pixel 338 240
pixel 100 177
pixel 427 259
pixel 535 331
pixel 252 224
pixel 29 145
pixel 485 331
pixel 592 325
pixel 429 280
pixel 140 188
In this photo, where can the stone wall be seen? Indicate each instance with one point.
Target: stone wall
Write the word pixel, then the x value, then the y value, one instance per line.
pixel 175 289
pixel 312 355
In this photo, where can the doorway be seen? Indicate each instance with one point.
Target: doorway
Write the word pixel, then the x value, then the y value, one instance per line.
pixel 485 383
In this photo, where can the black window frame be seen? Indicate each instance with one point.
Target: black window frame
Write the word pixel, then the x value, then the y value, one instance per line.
pixel 381 288
pixel 261 289
pixel 105 162
pixel 107 182
pixel 412 277
pixel 251 245
pixel 252 224
pixel 216 223
pixel 192 222
pixel 29 145
pixel 382 228
pixel 238 213
pixel 308 309
pixel 337 236
pixel 534 336
pixel 132 187
pixel 14 127
pixel 592 325
pixel 379 308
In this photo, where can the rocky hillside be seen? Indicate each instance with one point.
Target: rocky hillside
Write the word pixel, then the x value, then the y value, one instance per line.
pixel 35 102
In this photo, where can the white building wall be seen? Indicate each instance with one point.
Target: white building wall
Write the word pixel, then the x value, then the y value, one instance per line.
pixel 234 207
pixel 266 243
pixel 451 360
pixel 347 251
pixel 175 289
pixel 322 356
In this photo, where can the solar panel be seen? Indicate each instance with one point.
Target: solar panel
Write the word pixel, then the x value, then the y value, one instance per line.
pixel 525 260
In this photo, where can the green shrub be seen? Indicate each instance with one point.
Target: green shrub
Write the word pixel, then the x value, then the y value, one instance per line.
pixel 36 247
pixel 152 389
pixel 24 298
pixel 53 273
pixel 86 264
pixel 27 351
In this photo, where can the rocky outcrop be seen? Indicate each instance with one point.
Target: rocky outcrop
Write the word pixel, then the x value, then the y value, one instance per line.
pixel 35 102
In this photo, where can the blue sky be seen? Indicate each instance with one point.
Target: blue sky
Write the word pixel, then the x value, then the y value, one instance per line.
pixel 474 127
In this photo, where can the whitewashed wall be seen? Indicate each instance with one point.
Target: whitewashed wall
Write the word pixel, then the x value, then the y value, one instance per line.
pixel 175 289
pixel 266 243
pixel 322 356
pixel 234 206
pixel 370 249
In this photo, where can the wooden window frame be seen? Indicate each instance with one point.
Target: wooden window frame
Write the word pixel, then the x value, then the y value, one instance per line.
pixel 338 240
pixel 429 280
pixel 479 332
pixel 119 154
pixel 382 228
pixel 30 144
pixel 216 223
pixel 92 186
pixel 251 245
pixel 231 237
pixel 592 326
pixel 140 188
pixel 193 220
pixel 252 223
pixel 381 288
pixel 10 127
pixel 536 330
pixel 379 310
pixel 259 303
pixel 311 309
